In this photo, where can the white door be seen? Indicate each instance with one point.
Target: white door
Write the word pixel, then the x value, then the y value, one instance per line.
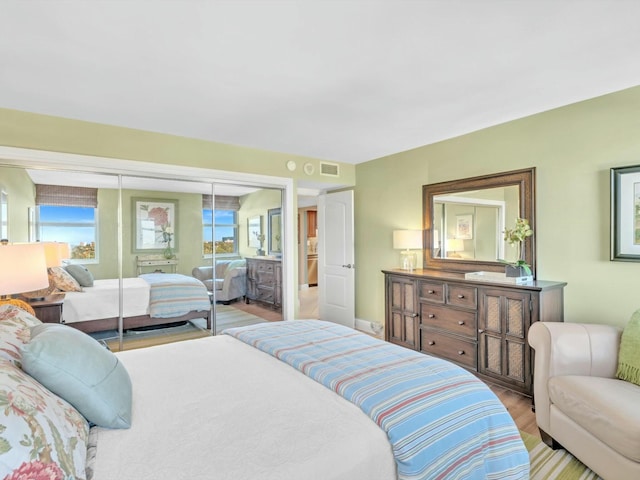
pixel 336 276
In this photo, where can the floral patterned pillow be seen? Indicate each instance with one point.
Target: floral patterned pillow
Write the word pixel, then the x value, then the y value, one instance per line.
pixel 41 435
pixel 15 331
pixel 63 281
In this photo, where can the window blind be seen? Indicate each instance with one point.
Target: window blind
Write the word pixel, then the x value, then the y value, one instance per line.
pixel 223 202
pixel 62 196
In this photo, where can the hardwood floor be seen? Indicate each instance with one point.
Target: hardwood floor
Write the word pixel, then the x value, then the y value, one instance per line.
pixel 259 310
pixel 519 407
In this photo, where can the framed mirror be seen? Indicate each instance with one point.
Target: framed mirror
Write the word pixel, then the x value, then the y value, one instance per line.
pixel 275 231
pixel 464 221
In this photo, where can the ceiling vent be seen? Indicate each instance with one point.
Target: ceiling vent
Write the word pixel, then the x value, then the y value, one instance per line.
pixel 329 169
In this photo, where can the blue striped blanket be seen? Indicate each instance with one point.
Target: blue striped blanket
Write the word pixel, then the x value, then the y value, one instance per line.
pixel 173 295
pixel 442 422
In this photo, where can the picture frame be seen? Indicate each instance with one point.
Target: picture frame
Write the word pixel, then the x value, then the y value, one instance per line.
pixel 154 220
pixel 625 214
pixel 464 226
pixel 254 228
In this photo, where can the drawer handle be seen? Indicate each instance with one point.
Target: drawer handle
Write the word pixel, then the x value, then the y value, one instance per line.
pixel 460 352
pixel 460 322
pixel 431 342
pixel 460 296
pixel 431 315
pixel 430 291
pixel 480 330
pixel 414 315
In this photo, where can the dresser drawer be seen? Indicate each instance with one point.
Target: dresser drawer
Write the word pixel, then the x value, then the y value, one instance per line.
pixel 265 267
pixel 462 296
pixel 452 348
pixel 431 291
pixel 437 316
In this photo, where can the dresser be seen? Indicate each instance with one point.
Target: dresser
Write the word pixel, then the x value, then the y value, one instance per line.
pixel 264 281
pixel 479 325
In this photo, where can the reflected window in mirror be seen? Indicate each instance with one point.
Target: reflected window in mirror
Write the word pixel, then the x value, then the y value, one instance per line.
pixel 275 231
pixel 225 220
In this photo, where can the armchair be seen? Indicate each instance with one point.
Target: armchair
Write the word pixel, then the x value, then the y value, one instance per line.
pixel 580 403
pixel 229 282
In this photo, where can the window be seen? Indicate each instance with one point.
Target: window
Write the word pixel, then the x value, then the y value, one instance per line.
pixel 226 230
pixel 77 226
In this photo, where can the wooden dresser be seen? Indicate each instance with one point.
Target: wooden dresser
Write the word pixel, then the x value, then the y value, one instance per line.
pixel 264 281
pixel 481 326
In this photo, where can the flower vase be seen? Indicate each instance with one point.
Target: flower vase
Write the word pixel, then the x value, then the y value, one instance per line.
pixel 168 253
pixel 260 252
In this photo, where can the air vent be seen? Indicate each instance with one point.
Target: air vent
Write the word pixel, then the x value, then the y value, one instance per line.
pixel 330 169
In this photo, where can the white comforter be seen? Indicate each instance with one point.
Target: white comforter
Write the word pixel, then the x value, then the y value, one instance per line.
pixel 216 408
pixel 102 300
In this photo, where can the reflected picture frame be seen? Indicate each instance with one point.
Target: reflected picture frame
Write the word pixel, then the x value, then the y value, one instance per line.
pixel 464 227
pixel 151 218
pixel 625 214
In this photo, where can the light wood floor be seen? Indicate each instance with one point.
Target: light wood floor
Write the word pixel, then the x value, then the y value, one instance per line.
pixel 519 407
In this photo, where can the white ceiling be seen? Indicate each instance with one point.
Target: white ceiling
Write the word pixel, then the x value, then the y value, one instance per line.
pixel 345 81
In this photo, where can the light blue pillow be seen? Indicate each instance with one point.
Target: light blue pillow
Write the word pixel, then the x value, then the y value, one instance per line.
pixel 81 273
pixel 77 368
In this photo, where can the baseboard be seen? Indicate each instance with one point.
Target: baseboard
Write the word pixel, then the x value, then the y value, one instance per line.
pixel 367 327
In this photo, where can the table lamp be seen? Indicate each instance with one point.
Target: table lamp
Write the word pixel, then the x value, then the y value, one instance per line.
pixel 407 240
pixel 54 254
pixel 454 245
pixel 22 268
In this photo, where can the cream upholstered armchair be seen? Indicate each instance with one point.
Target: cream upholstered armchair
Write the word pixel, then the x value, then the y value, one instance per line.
pixel 229 281
pixel 580 403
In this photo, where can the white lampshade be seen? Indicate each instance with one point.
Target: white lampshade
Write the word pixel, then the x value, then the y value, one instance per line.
pixel 23 268
pixel 53 252
pixel 407 239
pixel 455 245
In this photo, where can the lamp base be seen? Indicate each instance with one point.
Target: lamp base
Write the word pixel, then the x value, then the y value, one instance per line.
pixel 407 260
pixel 21 304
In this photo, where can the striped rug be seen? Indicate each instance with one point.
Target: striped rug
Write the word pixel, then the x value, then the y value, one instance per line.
pixel 227 317
pixel 547 463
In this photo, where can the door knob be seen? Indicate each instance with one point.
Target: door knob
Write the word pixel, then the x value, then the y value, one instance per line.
pixel 349 265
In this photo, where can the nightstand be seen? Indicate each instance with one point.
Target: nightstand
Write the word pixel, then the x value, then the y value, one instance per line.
pixel 49 309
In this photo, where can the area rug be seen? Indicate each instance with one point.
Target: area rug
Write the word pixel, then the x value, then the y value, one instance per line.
pixel 227 317
pixel 549 464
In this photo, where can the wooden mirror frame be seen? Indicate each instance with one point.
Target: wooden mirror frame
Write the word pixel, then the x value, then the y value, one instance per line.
pixel 524 179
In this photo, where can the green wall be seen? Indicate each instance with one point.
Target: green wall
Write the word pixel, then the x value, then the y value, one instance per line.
pixel 251 205
pixel 572 148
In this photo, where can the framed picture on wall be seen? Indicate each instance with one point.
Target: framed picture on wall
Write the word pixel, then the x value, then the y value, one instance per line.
pixel 464 227
pixel 625 214
pixel 154 224
pixel 254 231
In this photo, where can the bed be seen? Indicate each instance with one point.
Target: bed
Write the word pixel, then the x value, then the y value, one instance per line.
pixel 148 300
pixel 299 399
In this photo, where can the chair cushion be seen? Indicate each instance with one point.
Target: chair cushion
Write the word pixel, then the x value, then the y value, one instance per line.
pixel 629 353
pixel 77 368
pixel 605 407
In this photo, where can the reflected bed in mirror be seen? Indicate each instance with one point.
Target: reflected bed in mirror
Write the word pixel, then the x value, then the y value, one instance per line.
pixel 464 221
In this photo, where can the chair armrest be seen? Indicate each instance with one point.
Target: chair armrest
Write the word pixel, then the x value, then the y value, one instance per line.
pixel 235 272
pixel 570 349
